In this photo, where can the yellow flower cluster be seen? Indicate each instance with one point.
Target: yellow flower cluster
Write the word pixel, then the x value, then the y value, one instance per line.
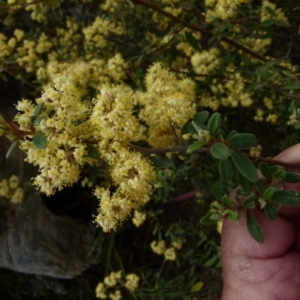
pixel 10 189
pixel 37 13
pixel 109 123
pixel 114 278
pixel 132 282
pixel 166 106
pixel 6 47
pixel 222 9
pixel 294 117
pixel 277 14
pixel 138 218
pixel 95 35
pixel 256 151
pixel 206 61
pixel 163 22
pixel 159 247
pixel 131 173
pixel 227 92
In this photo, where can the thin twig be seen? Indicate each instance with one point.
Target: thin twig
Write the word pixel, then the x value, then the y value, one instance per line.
pixel 271 161
pixel 199 29
pixel 184 196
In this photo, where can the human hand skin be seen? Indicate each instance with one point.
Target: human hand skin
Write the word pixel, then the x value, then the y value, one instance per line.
pixel 268 271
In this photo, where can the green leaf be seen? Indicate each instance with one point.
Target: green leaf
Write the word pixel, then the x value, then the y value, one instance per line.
pixel 225 169
pixel 292 86
pixel 260 186
pixel 184 129
pixel 12 137
pixel 218 191
pixel 216 217
pixel 51 3
pixel 233 216
pixel 197 287
pixel 161 162
pixel 242 140
pixel 194 146
pixel 197 127
pixel 226 201
pixel 37 111
pixel 214 123
pixel 39 141
pixel 250 202
pixel 245 166
pixel 191 129
pixel 279 174
pixel 207 221
pixel 269 192
pixel 191 40
pixel 287 197
pixel 201 117
pixel 292 177
pixel 271 211
pixel 267 23
pixel 92 152
pixel 254 228
pixel 232 133
pixel 11 148
pixel 246 185
pixel 264 169
pixel 219 151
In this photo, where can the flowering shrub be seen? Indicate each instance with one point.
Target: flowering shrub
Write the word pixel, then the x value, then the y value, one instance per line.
pixel 157 93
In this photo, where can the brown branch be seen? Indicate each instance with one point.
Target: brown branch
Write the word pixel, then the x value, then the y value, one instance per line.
pixel 271 161
pixel 199 29
pixel 183 197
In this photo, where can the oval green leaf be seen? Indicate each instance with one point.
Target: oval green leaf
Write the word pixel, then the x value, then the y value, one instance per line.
pixel 245 166
pixel 39 141
pixel 232 133
pixel 217 191
pixel 245 184
pixel 271 211
pixel 161 162
pixel 263 168
pixel 194 146
pixel 207 221
pixel 214 123
pixel 201 117
pixel 37 111
pixel 254 228
pixel 292 177
pixel 197 287
pixel 11 148
pixel 225 169
pixel 287 197
pixel 292 86
pixel 242 140
pixel 219 151
pixel 269 192
pixel 191 40
pixel 92 152
pixel 250 202
pixel 226 201
pixel 233 216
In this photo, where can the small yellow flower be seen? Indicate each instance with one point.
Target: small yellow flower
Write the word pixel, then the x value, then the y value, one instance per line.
pixel 158 247
pixel 170 254
pixel 132 282
pixel 100 291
